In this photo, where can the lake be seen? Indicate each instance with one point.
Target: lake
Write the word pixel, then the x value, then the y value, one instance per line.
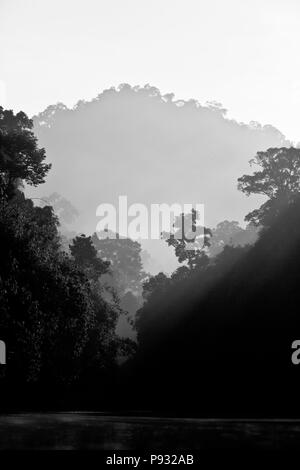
pixel 97 431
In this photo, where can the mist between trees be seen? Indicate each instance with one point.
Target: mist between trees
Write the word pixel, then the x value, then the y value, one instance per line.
pixel 84 318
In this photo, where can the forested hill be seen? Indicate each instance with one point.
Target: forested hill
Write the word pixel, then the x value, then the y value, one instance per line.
pixel 223 342
pixel 152 148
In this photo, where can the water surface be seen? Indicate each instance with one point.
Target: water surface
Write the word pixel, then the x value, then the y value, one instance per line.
pixel 96 431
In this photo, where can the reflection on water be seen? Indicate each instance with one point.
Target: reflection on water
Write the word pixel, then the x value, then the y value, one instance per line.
pixel 98 431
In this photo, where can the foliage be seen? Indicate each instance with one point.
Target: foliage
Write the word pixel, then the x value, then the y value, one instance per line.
pixel 278 179
pixel 20 157
pixel 85 256
pixel 189 245
pixel 54 317
pixel 45 305
pixel 124 256
pixel 230 233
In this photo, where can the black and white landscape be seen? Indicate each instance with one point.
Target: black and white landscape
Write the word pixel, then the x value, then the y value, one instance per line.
pixel 113 342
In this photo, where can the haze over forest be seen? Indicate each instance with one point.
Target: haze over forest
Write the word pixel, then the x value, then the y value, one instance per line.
pixel 141 327
pixel 153 148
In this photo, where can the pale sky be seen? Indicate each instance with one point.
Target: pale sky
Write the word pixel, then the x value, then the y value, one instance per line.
pixel 242 53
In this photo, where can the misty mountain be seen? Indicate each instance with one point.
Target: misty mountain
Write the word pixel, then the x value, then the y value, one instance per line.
pixel 137 142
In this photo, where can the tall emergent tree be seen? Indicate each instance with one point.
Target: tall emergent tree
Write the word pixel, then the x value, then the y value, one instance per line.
pixel 189 240
pixel 20 158
pixel 278 179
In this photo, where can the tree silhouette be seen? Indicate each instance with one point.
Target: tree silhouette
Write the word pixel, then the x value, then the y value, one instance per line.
pixel 20 158
pixel 54 315
pixel 230 233
pixel 85 256
pixel 189 240
pixel 278 179
pixel 126 267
